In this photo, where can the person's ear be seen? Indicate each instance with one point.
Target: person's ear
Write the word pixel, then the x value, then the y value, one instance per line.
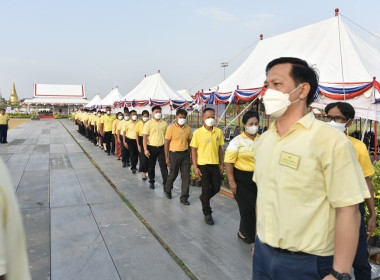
pixel 305 89
pixel 349 123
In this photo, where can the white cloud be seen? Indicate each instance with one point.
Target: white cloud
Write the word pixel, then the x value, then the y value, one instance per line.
pixel 216 14
pixel 260 21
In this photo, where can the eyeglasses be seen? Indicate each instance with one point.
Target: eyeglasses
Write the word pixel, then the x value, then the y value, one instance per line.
pixel 337 119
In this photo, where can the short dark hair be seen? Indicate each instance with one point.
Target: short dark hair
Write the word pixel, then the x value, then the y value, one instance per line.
pixel 250 114
pixel 126 110
pixel 108 107
pixel 145 112
pixel 119 113
pixel 2 109
pixel 156 108
pixel 208 109
pixel 345 108
pixel 132 111
pixel 181 112
pixel 301 73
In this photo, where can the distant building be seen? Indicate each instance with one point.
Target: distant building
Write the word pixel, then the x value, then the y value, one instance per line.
pixel 62 99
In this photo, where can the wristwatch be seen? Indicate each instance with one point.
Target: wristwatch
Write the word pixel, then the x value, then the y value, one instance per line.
pixel 340 276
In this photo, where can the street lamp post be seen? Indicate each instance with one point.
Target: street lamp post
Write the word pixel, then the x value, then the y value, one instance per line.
pixel 224 65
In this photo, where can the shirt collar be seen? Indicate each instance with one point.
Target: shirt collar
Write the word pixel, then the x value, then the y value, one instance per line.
pixel 203 127
pixel 306 121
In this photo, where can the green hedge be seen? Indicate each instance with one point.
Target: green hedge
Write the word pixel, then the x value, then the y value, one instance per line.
pixel 21 115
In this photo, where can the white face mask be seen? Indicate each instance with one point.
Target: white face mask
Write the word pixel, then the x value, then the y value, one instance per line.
pixel 99 115
pixel 109 112
pixel 209 121
pixel 276 103
pixel 339 126
pixel 252 129
pixel 120 117
pixel 145 119
pixel 126 118
pixel 157 116
pixel 134 117
pixel 94 113
pixel 181 121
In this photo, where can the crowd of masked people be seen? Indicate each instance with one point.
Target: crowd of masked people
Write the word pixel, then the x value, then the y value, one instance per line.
pixel 287 182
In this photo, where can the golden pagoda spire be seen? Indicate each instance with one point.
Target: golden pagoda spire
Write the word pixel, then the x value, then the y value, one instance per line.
pixel 13 99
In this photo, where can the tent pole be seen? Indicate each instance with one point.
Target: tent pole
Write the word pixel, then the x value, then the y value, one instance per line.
pixel 238 112
pixel 198 120
pixel 217 112
pixel 225 117
pixel 375 124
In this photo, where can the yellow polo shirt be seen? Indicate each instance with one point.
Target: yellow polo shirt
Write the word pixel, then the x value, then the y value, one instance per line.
pixel 139 127
pixel 155 131
pixel 107 121
pixel 114 125
pixel 363 156
pixel 130 129
pixel 83 116
pixel 77 116
pixel 240 153
pixel 4 118
pixel 98 121
pixel 207 143
pixel 301 178
pixel 92 119
pixel 13 254
pixel 121 126
pixel 179 137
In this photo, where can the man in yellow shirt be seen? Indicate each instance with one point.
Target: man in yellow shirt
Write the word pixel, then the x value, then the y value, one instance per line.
pixel 309 184
pixel 207 156
pixel 125 159
pixel 13 254
pixel 129 140
pixel 4 120
pixel 153 141
pixel 341 115
pixel 177 154
pixel 106 130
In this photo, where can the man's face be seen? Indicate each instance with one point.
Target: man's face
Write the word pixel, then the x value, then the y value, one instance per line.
pixel 180 116
pixel 208 114
pixel 335 113
pixel 126 114
pixel 2 112
pixel 156 111
pixel 133 114
pixel 278 78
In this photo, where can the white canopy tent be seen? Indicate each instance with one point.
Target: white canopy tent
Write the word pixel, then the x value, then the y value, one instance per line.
pixel 151 91
pixel 94 102
pixel 346 64
pixel 110 99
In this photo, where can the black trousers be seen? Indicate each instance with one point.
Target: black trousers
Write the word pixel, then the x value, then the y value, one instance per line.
pixel 179 161
pixel 143 160
pixel 124 151
pixel 210 182
pixel 108 140
pixel 133 152
pixel 157 153
pixel 362 268
pixel 246 194
pixel 3 133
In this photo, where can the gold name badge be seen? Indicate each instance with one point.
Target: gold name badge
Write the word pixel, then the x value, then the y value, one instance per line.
pixel 289 160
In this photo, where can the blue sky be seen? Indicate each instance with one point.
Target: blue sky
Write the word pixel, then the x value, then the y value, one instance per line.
pixel 104 44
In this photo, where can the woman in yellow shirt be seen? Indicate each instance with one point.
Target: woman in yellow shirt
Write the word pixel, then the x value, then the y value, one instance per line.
pixel 119 118
pixel 143 160
pixel 240 165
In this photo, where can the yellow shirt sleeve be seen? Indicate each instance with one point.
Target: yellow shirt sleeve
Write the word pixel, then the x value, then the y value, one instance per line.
pixel 365 161
pixel 231 153
pixel 195 141
pixel 168 134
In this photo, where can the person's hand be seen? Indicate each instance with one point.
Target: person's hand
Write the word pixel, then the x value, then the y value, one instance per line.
pixel 102 134
pixel 125 145
pixel 197 172
pixel 168 162
pixel 329 277
pixel 139 148
pixel 147 154
pixel 221 169
pixel 371 226
pixel 233 187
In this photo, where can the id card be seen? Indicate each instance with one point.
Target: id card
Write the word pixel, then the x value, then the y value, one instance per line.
pixel 289 160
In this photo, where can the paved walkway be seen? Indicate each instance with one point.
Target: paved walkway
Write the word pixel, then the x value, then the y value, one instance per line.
pixel 79 226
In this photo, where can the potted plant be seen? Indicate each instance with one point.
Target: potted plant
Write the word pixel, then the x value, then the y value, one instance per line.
pixel 375 179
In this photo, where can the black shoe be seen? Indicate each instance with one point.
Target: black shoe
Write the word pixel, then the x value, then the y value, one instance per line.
pixel 124 164
pixel 185 201
pixel 144 179
pixel 209 220
pixel 6 142
pixel 128 164
pixel 108 154
pixel 105 151
pixel 168 195
pixel 113 153
pixel 134 171
pixel 243 238
pixel 151 186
